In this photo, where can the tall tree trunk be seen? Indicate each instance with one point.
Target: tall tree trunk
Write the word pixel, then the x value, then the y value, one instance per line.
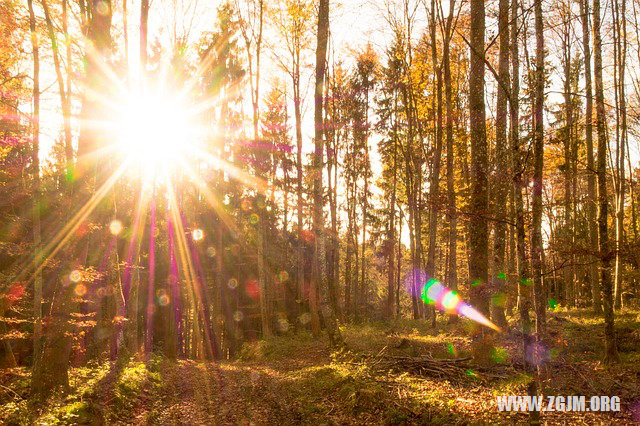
pixel 391 231
pixel 538 156
pixel 254 79
pixel 622 54
pixel 66 108
pixel 478 226
pixel 125 34
pixel 591 171
pixel 606 254
pixel 327 309
pixel 523 280
pixel 144 21
pixel 300 242
pixel 434 184
pixel 151 295
pixel 333 257
pixel 452 275
pixel 568 270
pixel 35 164
pixel 362 291
pixel 52 363
pixel 500 181
pixel 64 93
pixel 348 274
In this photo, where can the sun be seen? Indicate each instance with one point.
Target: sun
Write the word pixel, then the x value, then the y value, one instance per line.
pixel 155 132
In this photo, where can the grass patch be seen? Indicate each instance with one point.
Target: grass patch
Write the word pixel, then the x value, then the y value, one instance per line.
pixel 276 347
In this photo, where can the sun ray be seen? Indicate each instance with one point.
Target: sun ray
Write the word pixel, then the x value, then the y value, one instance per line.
pixel 182 249
pixel 212 200
pixel 52 248
pixel 434 293
pixel 151 284
pixel 134 245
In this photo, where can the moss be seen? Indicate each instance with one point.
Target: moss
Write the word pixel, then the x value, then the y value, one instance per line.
pixel 135 380
pixel 395 416
pixel 276 347
pixel 15 413
pixel 79 412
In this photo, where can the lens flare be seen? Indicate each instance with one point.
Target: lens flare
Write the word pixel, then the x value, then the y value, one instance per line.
pixel 115 227
pixel 197 234
pixel 450 301
pixel 434 293
pixel 80 290
pixel 75 276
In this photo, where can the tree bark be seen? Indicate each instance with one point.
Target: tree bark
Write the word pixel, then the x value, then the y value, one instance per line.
pixel 500 181
pixel 536 195
pixel 452 275
pixel 144 21
pixel 591 171
pixel 64 93
pixel 622 54
pixel 523 280
pixel 478 226
pixel 606 254
pixel 568 270
pixel 327 309
pixel 35 164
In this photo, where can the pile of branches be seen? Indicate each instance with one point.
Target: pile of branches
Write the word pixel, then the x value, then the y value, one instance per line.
pixel 422 365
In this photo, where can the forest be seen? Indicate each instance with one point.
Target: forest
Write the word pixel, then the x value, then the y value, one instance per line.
pixel 319 212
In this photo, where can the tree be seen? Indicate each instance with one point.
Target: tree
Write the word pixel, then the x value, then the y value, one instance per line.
pixel 591 175
pixel 537 262
pixel 519 165
pixel 35 158
pixel 321 281
pixel 293 21
pixel 452 268
pixel 479 200
pixel 363 82
pixel 251 28
pixel 434 184
pixel 500 182
pixel 51 364
pixel 620 29
pixel 606 254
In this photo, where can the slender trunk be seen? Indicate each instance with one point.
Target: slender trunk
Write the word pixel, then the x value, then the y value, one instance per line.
pixel 348 282
pixel 52 363
pixel 64 93
pixel 362 293
pixel 327 308
pixel 622 52
pixel 333 256
pixel 144 21
pixel 300 242
pixel 35 164
pixel 66 108
pixel 538 156
pixel 399 265
pixel 255 99
pixel 523 280
pixel 391 236
pixel 568 270
pixel 151 296
pixel 591 175
pixel 606 254
pixel 125 33
pixel 478 226
pixel 434 184
pixel 452 275
pixel 500 180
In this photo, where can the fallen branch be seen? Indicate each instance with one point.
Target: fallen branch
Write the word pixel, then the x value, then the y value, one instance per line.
pixel 423 365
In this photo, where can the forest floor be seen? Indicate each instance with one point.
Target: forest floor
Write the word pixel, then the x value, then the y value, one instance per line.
pixel 295 379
